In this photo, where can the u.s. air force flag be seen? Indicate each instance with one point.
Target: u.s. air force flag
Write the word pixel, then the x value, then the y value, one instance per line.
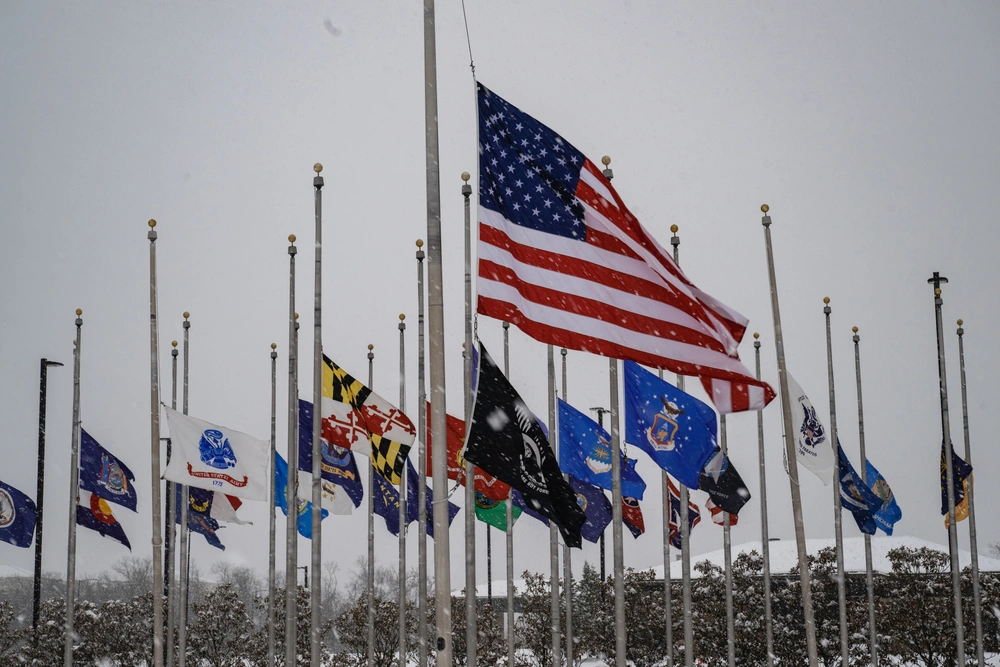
pixel 217 458
pixel 675 429
pixel 812 446
pixel 17 517
pixel 585 453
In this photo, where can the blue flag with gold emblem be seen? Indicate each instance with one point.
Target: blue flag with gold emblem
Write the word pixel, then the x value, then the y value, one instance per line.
pixel 890 512
pixel 676 429
pixel 595 506
pixel 104 475
pixel 856 496
pixel 385 502
pixel 17 517
pixel 585 453
pixel 199 514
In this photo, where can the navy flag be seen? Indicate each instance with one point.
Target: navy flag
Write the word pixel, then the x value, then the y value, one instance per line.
pixel 519 504
pixel 385 502
pixel 338 466
pixel 725 488
pixel 856 496
pixel 17 517
pixel 595 506
pixel 413 502
pixel 507 442
pixel 104 475
pixel 94 512
pixel 674 524
pixel 961 472
pixel 585 453
pixel 890 513
pixel 199 513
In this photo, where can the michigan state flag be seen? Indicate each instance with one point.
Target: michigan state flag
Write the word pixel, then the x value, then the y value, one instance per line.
pixel 17 517
pixel 856 496
pixel 506 441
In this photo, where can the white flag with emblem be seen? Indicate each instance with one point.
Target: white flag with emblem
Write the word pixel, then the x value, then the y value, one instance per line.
pixel 812 444
pixel 216 458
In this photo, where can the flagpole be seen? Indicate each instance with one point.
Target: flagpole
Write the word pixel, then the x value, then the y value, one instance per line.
pixel 845 652
pixel 292 451
pixel 74 494
pixel 270 523
pixel 316 591
pixel 470 490
pixel 937 280
pixel 600 422
pixel 40 491
pixel 764 537
pixel 616 495
pixel 675 241
pixel 154 414
pixel 553 531
pixel 371 528
pixel 170 553
pixel 727 547
pixel 422 460
pixel 510 522
pixel 185 545
pixel 567 563
pixel 974 547
pixel 402 501
pixel 793 472
pixel 667 578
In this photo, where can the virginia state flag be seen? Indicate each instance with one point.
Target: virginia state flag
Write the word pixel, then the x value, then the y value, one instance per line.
pixel 585 453
pixel 338 466
pixel 676 430
pixel 104 475
pixel 17 517
pixel 304 509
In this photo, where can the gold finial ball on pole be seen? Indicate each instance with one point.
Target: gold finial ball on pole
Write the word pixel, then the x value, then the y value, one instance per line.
pixel 854 329
pixel 605 160
pixel 79 312
pixel 826 300
pixel 152 223
pixel 317 167
pixel 937 291
pixel 674 228
pixel 173 343
pixel 466 176
pixel 402 317
pixel 274 346
pixel 296 316
pixel 370 347
pixel 420 243
pixel 764 208
pixel 291 238
pixel 186 314
pixel 756 335
pixel 960 323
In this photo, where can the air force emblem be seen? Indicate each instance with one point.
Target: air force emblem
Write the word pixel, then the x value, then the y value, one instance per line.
pixel 215 450
pixel 665 427
pixel 599 458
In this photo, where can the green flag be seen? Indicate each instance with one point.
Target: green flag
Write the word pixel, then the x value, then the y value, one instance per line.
pixel 494 512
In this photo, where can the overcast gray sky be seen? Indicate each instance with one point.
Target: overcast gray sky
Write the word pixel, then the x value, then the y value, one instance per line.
pixel 869 129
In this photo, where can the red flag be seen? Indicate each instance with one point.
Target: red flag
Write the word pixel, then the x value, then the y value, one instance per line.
pixel 632 516
pixel 489 486
pixel 717 514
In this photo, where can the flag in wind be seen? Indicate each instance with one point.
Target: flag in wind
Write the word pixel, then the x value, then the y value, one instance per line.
pixel 486 484
pixel 354 416
pixel 889 513
pixel 961 476
pixel 95 513
pixel 675 429
pixel 413 502
pixel 725 488
pixel 104 475
pixel 217 458
pixel 17 517
pixel 304 509
pixel 338 468
pixel 595 506
pixel 674 524
pixel 585 453
pixel 494 512
pixel 385 502
pixel 632 516
pixel 506 441
pixel 812 448
pixel 562 258
pixel 856 496
pixel 200 518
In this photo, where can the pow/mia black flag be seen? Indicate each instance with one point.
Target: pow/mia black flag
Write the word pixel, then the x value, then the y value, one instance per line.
pixel 725 487
pixel 507 442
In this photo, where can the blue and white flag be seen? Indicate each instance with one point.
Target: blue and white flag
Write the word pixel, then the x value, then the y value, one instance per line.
pixel 890 512
pixel 217 458
pixel 585 453
pixel 812 447
pixel 856 496
pixel 595 506
pixel 676 429
pixel 200 520
pixel 304 509
pixel 413 502
pixel 17 517
pixel 104 475
pixel 338 466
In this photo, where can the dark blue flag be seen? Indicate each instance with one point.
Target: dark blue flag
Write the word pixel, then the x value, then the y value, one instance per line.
pixel 674 523
pixel 95 513
pixel 890 512
pixel 585 453
pixel 856 496
pixel 676 430
pixel 961 472
pixel 412 501
pixel 104 475
pixel 385 501
pixel 595 506
pixel 17 517
pixel 338 464
pixel 519 502
pixel 199 514
pixel 304 510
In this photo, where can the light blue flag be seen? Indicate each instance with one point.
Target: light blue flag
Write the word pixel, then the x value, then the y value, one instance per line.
pixel 281 500
pixel 890 513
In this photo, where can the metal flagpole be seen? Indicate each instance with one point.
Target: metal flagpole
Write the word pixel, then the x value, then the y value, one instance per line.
pixel 976 595
pixel 422 461
pixel 764 537
pixel 845 651
pixel 510 522
pixel 170 552
pixel 435 312
pixel 292 452
pixel 793 471
pixel 600 422
pixel 470 490
pixel 154 414
pixel 567 562
pixel 727 547
pixel 667 578
pixel 616 496
pixel 937 280
pixel 402 501
pixel 74 498
pixel 40 491
pixel 316 591
pixel 371 529
pixel 270 509
pixel 553 531
pixel 185 545
pixel 872 632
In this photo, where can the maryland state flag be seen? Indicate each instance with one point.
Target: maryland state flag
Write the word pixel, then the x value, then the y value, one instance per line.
pixel 487 485
pixel 353 414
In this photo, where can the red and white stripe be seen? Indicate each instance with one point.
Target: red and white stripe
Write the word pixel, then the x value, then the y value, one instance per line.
pixel 619 294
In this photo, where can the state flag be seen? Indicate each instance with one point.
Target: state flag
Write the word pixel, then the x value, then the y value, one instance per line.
pixel 596 507
pixel 413 501
pixel 961 476
pixel 890 511
pixel 104 474
pixel 339 469
pixel 18 515
pixel 494 512
pixel 303 511
pixel 856 496
pixel 95 513
pixel 200 509
pixel 632 516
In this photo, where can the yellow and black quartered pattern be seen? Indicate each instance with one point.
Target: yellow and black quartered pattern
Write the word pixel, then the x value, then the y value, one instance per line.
pixel 388 456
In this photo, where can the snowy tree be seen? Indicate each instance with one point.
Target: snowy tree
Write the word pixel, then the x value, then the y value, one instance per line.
pixel 593 615
pixel 46 646
pixel 10 636
pixel 220 629
pixel 352 630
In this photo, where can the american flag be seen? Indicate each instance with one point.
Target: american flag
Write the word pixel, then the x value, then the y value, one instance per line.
pixel 562 258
